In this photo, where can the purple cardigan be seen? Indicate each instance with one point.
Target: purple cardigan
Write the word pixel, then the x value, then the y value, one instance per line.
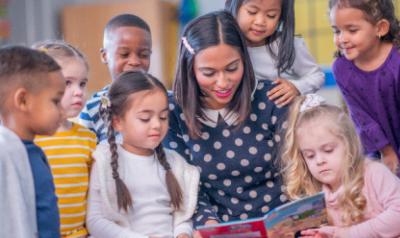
pixel 373 99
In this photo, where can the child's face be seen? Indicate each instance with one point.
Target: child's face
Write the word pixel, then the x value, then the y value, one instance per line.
pixel 145 123
pixel 76 76
pixel 43 108
pixel 127 48
pixel 323 152
pixel 354 36
pixel 219 71
pixel 258 19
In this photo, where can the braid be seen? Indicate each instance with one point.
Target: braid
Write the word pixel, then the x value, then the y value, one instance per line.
pixel 123 196
pixel 174 190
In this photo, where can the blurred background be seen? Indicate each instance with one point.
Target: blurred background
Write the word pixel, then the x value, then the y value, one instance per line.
pixel 81 23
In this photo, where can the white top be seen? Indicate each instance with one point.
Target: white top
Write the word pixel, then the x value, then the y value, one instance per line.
pixel 151 214
pixel 305 73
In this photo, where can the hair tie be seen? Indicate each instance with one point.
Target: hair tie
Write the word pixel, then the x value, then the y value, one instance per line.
pixel 105 102
pixel 311 101
pixel 187 45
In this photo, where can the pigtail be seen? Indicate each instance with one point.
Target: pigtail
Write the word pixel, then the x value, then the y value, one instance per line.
pixel 124 199
pixel 173 187
pixel 299 181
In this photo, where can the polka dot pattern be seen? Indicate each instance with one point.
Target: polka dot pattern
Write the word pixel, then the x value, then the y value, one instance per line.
pixel 236 163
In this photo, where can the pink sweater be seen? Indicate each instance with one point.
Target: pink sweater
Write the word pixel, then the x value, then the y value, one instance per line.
pixel 382 213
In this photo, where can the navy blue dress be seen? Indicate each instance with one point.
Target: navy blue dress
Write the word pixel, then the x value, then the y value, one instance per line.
pixel 239 177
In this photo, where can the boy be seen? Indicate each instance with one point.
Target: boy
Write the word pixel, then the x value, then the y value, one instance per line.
pixel 126 46
pixel 31 88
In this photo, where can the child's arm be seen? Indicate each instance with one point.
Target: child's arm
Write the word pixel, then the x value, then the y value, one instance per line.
pixel 98 225
pixel 308 74
pixel 384 187
pixel 389 158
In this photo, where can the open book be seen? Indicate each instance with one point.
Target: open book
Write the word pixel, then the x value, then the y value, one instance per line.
pixel 285 221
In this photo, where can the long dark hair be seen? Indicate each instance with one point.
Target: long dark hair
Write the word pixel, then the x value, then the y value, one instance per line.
pixel 284 34
pixel 203 32
pixel 374 10
pixel 127 84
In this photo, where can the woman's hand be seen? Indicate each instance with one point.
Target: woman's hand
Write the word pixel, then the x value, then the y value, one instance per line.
pixel 322 232
pixel 196 234
pixel 283 93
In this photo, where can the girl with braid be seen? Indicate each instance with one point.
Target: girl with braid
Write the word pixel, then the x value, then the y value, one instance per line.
pixel 137 188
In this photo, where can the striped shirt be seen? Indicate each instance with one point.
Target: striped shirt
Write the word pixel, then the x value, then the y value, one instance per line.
pixel 69 156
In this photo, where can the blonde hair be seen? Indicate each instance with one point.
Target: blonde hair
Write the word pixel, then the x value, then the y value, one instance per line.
pixel 298 179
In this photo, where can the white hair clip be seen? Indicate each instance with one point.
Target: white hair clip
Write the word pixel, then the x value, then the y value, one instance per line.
pixel 311 101
pixel 105 102
pixel 187 46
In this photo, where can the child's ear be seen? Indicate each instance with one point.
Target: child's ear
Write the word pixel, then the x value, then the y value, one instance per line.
pixel 116 122
pixel 103 55
pixel 20 99
pixel 383 27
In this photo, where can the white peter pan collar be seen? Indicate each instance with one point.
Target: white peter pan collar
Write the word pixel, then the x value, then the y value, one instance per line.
pixel 212 115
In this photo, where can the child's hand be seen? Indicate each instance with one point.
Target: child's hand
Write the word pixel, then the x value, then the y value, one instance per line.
pixel 322 232
pixel 283 92
pixel 196 234
pixel 183 235
pixel 389 158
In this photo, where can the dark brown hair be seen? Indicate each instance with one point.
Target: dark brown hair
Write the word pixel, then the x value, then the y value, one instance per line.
pixel 374 11
pixel 203 32
pixel 23 66
pixel 127 84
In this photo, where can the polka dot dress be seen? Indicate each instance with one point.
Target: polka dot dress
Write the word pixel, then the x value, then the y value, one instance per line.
pixel 239 179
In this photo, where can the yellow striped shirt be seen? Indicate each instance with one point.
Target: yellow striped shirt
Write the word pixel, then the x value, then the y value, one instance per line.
pixel 69 156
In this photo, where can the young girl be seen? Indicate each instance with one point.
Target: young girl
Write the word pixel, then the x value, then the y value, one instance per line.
pixel 137 188
pixel 367 35
pixel 69 149
pixel 322 151
pixel 268 26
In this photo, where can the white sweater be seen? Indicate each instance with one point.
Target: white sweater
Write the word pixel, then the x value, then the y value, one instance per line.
pixel 305 73
pixel 145 179
pixel 17 199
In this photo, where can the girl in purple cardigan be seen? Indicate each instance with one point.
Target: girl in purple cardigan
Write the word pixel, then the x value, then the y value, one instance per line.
pixel 322 152
pixel 367 71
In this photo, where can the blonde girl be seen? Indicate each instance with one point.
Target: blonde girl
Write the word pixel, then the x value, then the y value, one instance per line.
pixel 322 152
pixel 69 149
pixel 367 36
pixel 137 188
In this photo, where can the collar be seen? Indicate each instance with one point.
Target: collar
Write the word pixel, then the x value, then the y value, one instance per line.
pixel 212 115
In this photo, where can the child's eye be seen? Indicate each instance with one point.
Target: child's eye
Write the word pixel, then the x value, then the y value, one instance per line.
pixel 251 12
pixel 271 16
pixel 144 119
pixel 124 55
pixel 163 118
pixel 68 83
pixel 353 30
pixel 144 55
pixel 56 101
pixel 83 84
pixel 208 74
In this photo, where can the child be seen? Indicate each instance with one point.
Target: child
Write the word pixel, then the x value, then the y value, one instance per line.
pixel 69 149
pixel 268 26
pixel 31 88
pixel 322 151
pixel 126 46
pixel 367 35
pixel 137 188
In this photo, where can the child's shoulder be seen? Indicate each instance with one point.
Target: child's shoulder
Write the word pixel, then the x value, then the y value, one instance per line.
pixel 373 167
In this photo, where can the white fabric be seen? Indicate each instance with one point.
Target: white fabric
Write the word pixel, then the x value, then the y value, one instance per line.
pixel 145 179
pixel 212 117
pixel 305 73
pixel 17 199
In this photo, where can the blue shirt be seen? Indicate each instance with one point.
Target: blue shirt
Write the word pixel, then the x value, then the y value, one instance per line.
pixel 239 179
pixel 48 220
pixel 90 117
